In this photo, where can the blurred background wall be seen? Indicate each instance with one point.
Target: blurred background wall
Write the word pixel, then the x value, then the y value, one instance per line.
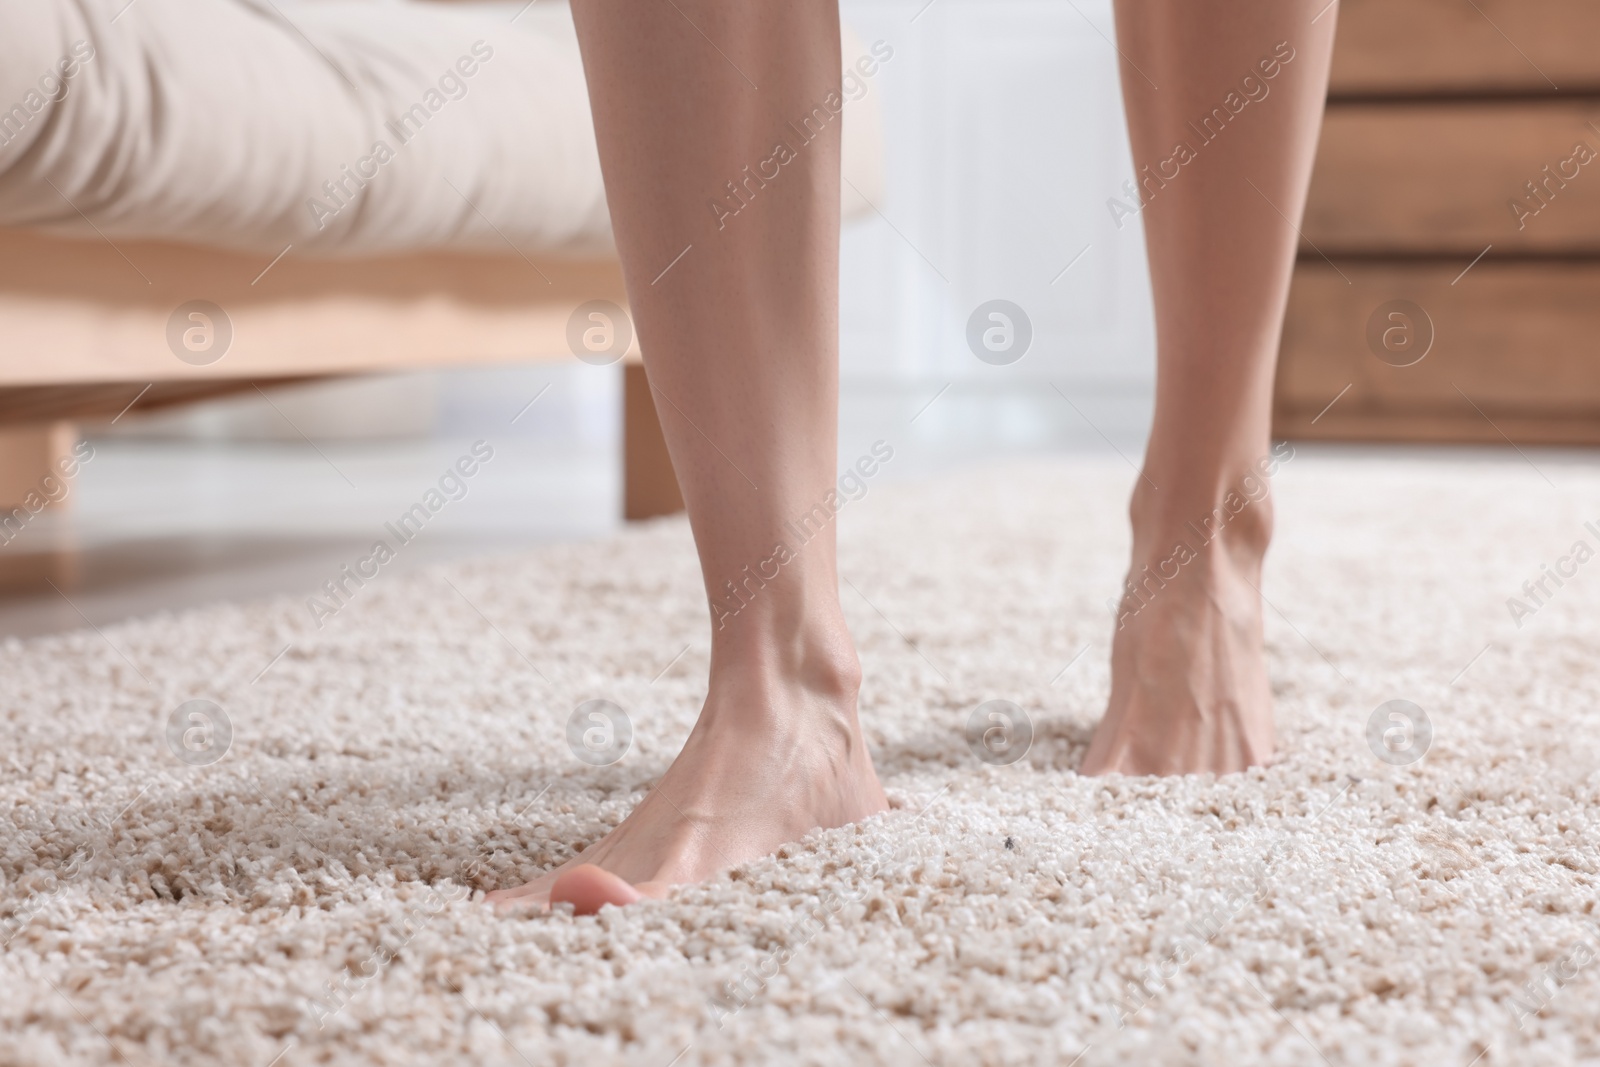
pixel 1005 139
pixel 1427 307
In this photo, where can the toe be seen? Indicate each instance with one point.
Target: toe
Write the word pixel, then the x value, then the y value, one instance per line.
pixel 525 906
pixel 588 889
pixel 531 898
pixel 520 895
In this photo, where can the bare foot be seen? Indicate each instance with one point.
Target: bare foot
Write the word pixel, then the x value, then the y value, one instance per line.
pixel 589 888
pixel 1189 690
pixel 768 762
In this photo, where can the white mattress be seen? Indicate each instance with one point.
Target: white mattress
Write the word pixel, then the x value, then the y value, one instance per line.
pixel 342 127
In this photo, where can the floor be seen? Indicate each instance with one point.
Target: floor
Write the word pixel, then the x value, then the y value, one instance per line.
pixel 165 518
pixel 292 877
pixel 164 525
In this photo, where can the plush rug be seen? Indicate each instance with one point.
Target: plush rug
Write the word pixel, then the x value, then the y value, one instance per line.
pixel 313 896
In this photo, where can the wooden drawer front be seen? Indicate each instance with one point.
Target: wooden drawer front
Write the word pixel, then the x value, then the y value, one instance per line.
pixel 1518 339
pixel 1427 178
pixel 1454 46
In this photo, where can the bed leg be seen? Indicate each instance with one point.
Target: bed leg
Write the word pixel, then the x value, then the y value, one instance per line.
pixel 28 454
pixel 31 482
pixel 649 487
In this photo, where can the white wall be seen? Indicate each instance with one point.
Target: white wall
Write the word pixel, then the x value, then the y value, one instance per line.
pixel 1005 138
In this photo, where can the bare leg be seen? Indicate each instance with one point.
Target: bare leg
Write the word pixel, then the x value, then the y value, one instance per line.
pixel 1189 688
pixel 740 338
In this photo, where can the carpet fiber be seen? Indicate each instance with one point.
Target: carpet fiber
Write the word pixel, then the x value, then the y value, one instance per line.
pixel 305 898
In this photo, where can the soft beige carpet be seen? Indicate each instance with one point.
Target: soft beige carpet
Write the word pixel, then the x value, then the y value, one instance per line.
pixel 299 901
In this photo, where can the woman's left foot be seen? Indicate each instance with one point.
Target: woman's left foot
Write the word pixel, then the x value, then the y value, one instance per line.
pixel 1189 689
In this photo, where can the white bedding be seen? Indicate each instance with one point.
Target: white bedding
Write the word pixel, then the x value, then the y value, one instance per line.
pixel 342 127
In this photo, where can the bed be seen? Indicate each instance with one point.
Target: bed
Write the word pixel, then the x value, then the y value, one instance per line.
pixel 202 196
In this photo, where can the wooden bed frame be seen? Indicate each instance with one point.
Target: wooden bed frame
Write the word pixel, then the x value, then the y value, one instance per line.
pixel 84 332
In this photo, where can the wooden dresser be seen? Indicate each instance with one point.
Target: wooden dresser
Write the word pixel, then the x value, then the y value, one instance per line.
pixel 1448 283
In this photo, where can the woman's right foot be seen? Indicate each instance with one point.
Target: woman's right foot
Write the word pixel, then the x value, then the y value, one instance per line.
pixel 769 760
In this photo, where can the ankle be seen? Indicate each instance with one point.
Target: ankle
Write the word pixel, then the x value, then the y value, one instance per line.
pixel 1231 510
pixel 828 670
pixel 818 657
